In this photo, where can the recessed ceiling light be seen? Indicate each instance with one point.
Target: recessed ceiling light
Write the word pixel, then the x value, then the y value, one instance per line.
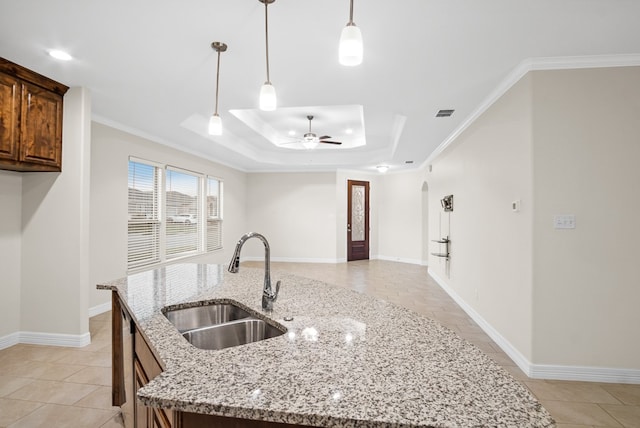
pixel 61 55
pixel 382 168
pixel 349 131
pixel 292 132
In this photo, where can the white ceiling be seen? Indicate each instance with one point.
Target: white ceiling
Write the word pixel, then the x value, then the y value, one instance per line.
pixel 151 69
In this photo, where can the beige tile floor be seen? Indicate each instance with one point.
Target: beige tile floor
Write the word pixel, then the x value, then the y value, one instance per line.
pixel 46 386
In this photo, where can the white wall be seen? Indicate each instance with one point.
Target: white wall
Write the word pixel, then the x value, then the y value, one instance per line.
pixel 55 235
pixel 110 157
pixel 296 212
pixel 424 223
pixel 564 301
pixel 304 215
pixel 400 217
pixel 10 251
pixel 586 280
pixel 487 168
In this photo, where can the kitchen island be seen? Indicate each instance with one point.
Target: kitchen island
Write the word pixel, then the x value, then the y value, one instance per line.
pixel 346 359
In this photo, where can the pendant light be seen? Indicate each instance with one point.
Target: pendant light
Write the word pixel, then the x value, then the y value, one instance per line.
pixel 215 123
pixel 268 100
pixel 350 50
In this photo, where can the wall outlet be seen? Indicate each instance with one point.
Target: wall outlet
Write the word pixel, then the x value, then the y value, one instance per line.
pixel 565 221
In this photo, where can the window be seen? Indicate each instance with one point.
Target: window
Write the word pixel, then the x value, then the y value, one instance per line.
pixel 182 234
pixel 172 213
pixel 214 214
pixel 144 216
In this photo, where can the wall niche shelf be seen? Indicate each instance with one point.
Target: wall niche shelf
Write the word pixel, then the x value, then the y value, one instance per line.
pixel 446 242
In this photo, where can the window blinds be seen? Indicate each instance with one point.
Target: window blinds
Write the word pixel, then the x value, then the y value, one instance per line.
pixel 144 215
pixel 172 213
pixel 182 208
pixel 214 214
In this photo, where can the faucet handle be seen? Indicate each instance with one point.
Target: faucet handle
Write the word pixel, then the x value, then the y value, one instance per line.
pixel 269 296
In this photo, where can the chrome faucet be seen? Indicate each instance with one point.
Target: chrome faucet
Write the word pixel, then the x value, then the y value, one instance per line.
pixel 268 296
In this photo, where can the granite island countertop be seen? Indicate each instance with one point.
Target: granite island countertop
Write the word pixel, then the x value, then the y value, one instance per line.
pixel 346 360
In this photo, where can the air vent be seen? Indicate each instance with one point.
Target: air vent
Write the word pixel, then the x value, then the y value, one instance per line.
pixel 408 161
pixel 444 113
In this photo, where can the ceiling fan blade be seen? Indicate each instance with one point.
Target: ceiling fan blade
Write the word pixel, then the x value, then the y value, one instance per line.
pixel 324 137
pixel 330 142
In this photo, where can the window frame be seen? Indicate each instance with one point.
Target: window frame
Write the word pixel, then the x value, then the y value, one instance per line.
pixel 202 216
pixel 198 205
pixel 219 218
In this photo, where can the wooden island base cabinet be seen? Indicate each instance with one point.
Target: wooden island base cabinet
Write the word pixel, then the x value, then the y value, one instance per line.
pixel 134 364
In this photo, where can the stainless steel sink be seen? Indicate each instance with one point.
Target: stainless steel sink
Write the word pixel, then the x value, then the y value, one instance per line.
pixel 232 333
pixel 220 325
pixel 186 319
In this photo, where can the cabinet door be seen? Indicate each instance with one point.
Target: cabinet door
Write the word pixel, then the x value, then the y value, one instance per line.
pixel 143 414
pixel 41 127
pixel 9 110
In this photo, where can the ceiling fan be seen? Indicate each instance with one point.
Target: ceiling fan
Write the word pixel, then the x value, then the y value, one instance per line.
pixel 310 140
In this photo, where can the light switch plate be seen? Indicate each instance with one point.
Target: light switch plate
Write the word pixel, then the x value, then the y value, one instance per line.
pixel 565 221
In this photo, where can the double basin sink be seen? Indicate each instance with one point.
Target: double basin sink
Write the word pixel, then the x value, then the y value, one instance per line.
pixel 216 325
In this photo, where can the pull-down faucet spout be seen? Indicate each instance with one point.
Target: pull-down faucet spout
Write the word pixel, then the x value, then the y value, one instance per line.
pixel 268 295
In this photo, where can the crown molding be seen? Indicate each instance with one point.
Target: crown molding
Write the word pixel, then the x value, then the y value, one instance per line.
pixel 534 64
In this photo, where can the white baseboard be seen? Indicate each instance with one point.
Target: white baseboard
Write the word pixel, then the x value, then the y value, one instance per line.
pixel 290 260
pixel 334 261
pixel 586 374
pixel 399 259
pixel 49 339
pixel 520 360
pixel 55 339
pixel 9 340
pixel 542 371
pixel 99 309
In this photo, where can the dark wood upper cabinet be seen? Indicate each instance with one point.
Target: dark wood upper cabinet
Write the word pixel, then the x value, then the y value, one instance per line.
pixel 30 120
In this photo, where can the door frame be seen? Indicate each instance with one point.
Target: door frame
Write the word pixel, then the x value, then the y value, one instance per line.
pixel 366 243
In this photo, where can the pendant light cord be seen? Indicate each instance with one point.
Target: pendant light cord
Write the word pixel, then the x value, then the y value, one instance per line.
pixel 266 38
pixel 217 82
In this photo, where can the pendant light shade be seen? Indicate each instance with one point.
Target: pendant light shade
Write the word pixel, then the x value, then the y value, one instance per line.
pixel 350 50
pixel 351 47
pixel 215 122
pixel 215 125
pixel 268 99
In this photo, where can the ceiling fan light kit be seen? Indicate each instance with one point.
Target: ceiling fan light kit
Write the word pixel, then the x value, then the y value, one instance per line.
pixel 310 140
pixel 350 50
pixel 268 99
pixel 215 122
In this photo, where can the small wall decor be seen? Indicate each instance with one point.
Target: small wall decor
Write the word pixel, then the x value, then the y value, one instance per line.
pixel 447 203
